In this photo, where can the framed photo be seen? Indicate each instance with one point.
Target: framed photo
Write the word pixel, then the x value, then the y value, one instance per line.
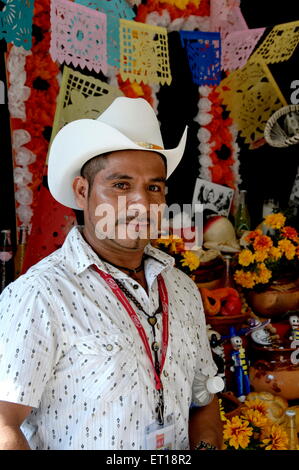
pixel 215 198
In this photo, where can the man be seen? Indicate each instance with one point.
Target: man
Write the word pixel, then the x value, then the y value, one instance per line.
pixel 103 343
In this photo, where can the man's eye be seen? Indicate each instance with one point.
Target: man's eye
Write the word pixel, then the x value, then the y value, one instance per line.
pixel 121 185
pixel 154 187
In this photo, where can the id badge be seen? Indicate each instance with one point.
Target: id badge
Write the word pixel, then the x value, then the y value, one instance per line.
pixel 160 437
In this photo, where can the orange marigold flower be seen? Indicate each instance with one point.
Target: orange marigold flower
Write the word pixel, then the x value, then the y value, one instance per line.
pixel 290 232
pixel 275 438
pixel 262 242
pixel 257 404
pixel 237 432
pixel 255 417
pixel 190 259
pixel 288 248
pixel 275 220
pixel 246 257
pixel 260 256
pixel 264 274
pixel 252 235
pixel 275 253
pixel 245 279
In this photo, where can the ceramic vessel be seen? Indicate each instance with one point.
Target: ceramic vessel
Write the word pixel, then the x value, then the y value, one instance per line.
pixel 272 371
pixel 281 297
pixel 222 323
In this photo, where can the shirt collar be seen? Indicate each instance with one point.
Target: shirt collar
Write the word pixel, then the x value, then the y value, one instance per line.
pixel 80 256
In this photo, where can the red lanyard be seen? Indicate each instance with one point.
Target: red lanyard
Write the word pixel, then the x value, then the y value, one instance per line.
pixel 126 304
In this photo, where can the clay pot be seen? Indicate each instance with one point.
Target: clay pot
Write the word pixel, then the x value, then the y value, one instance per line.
pixel 275 373
pixel 281 297
pixel 210 273
pixel 223 323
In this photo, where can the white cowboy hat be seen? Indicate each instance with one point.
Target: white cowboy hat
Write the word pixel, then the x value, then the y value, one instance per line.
pixel 282 128
pixel 128 123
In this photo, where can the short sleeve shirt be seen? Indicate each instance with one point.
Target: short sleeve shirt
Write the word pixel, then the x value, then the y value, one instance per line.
pixel 69 350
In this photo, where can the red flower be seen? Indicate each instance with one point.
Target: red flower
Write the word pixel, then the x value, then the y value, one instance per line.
pixel 290 232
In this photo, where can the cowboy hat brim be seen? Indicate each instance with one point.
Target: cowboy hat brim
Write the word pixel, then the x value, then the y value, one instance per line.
pixel 83 139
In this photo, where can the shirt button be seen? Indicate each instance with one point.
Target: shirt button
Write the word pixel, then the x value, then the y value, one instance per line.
pixel 165 373
pixel 109 347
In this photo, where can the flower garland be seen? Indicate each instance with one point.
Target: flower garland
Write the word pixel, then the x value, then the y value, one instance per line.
pixel 190 9
pixel 18 94
pixel 217 136
pixel 41 79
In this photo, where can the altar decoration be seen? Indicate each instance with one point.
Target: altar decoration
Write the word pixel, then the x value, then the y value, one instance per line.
pixel 78 35
pixel 204 55
pixel 217 135
pixel 32 80
pixel 272 369
pixel 16 22
pixel 238 46
pixel 144 53
pixel 226 17
pixel 219 234
pixel 80 97
pixel 279 44
pixel 253 429
pixel 269 257
pixel 251 95
pixel 186 260
pixel 114 9
pixel 222 301
pixel 177 14
pixel 48 221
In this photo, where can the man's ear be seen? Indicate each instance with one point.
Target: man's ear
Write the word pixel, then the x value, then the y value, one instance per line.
pixel 80 188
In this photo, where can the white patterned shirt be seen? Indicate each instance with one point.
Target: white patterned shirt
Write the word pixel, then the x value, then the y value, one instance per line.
pixel 69 349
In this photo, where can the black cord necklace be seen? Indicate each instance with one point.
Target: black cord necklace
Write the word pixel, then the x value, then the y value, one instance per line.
pixel 151 319
pixel 130 270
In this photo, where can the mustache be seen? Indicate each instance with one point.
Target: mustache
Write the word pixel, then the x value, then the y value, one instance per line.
pixel 138 220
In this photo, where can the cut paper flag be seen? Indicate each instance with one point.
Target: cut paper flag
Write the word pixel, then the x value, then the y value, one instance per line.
pixel 144 53
pixel 238 46
pixel 16 22
pixel 81 97
pixel 204 56
pixel 279 44
pixel 226 17
pixel 251 96
pixel 114 9
pixel 78 35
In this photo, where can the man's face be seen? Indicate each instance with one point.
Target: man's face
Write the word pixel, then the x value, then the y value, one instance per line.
pixel 210 197
pixel 117 210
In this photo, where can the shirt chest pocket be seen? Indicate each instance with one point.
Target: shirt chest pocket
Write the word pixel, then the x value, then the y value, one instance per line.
pixel 108 367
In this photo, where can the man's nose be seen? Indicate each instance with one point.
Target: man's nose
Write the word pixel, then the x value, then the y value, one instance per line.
pixel 141 197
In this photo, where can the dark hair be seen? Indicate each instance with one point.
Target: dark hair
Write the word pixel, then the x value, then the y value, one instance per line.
pixel 92 167
pixel 98 163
